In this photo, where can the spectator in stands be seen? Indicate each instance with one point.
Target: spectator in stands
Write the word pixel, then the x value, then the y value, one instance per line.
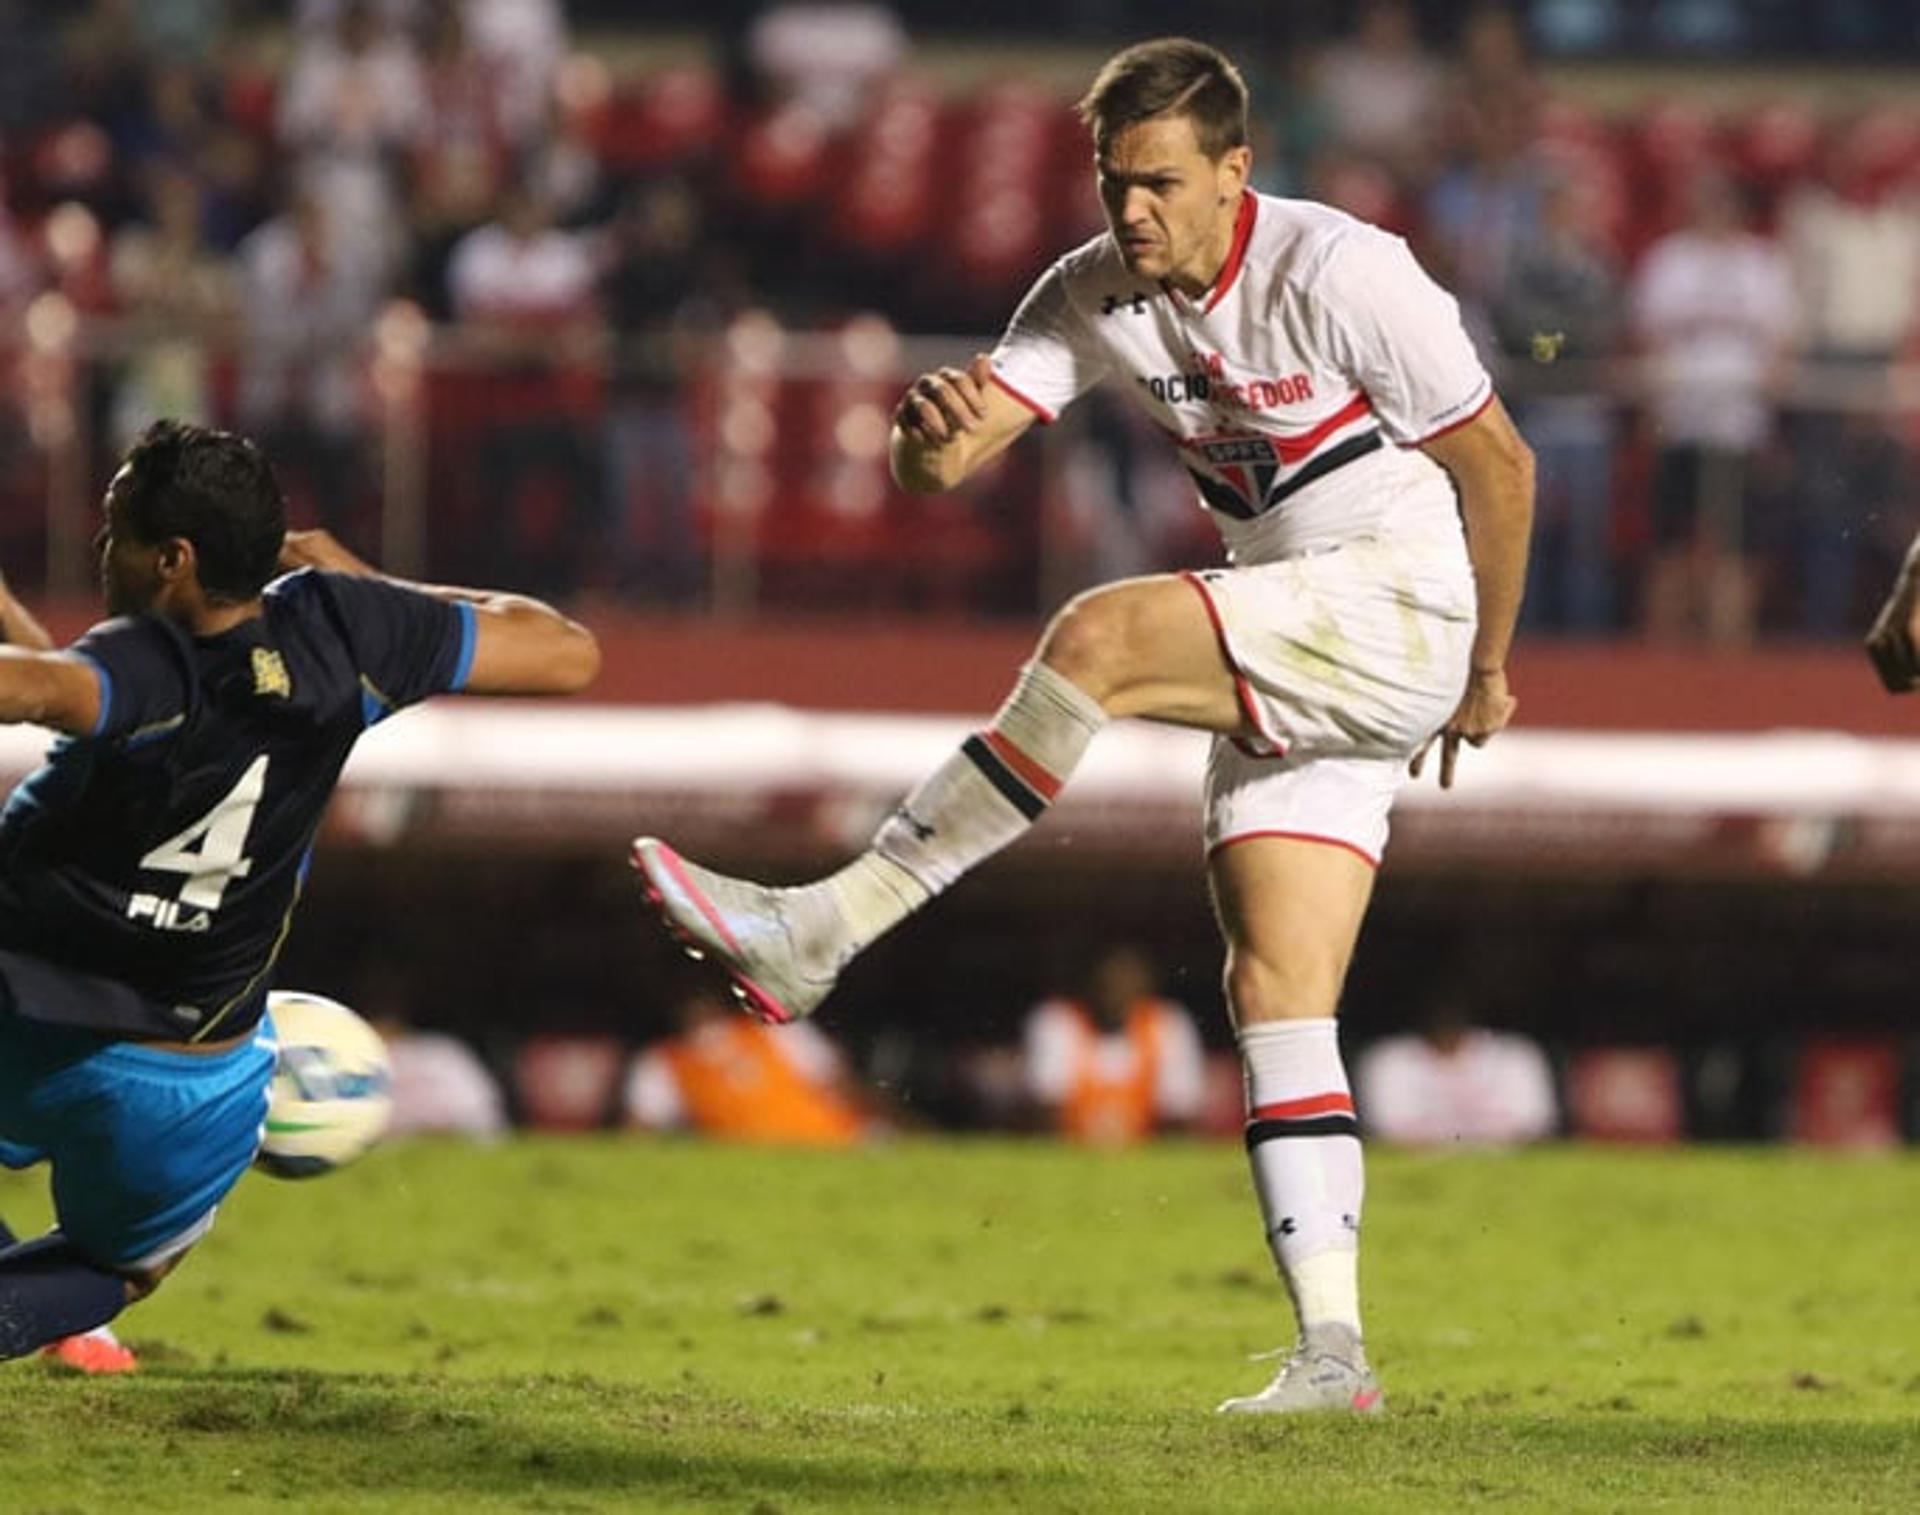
pixel 523 43
pixel 1117 1063
pixel 1714 312
pixel 724 1076
pixel 1853 238
pixel 1559 318
pixel 440 1085
pixel 1382 89
pixel 1484 208
pixel 308 297
pixel 1456 1084
pixel 825 54
pixel 176 295
pixel 458 166
pixel 352 105
pixel 659 301
pixel 523 292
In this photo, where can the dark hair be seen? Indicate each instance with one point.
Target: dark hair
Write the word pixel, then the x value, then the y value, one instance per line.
pixel 1170 76
pixel 216 490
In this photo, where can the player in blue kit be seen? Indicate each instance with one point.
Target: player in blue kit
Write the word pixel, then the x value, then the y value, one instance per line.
pixel 148 872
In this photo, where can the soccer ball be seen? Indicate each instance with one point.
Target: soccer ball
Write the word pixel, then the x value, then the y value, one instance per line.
pixel 332 1092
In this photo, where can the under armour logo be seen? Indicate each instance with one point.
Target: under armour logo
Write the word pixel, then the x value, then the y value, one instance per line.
pixel 1136 303
pixel 920 829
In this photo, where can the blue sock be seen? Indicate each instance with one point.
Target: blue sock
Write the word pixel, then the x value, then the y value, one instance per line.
pixel 47 1291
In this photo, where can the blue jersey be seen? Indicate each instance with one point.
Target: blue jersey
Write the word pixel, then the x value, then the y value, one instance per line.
pixel 149 870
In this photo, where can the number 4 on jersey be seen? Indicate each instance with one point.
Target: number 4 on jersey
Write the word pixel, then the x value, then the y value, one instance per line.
pixel 211 852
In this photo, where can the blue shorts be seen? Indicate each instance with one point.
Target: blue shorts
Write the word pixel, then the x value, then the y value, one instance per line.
pixel 144 1143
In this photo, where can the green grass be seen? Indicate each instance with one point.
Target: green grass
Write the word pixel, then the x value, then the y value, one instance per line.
pixel 631 1325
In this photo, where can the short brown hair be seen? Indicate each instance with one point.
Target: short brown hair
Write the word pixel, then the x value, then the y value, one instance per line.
pixel 1170 76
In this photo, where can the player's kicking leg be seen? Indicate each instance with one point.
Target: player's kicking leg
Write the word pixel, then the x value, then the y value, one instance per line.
pixel 1290 910
pixel 96 1350
pixel 1141 647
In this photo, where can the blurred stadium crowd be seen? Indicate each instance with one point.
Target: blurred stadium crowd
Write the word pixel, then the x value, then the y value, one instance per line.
pixel 624 312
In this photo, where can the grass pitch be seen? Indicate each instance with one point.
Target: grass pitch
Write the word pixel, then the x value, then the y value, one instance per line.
pixel 637 1325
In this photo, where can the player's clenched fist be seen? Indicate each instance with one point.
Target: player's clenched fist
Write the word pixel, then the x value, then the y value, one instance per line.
pixel 942 405
pixel 1894 641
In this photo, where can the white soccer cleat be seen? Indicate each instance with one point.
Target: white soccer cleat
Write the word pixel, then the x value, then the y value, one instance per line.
pixel 779 973
pixel 1322 1378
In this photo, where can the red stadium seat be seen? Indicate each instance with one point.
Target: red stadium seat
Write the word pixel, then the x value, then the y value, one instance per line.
pixel 1625 1094
pixel 568 1083
pixel 1847 1094
pixel 663 120
pixel 781 158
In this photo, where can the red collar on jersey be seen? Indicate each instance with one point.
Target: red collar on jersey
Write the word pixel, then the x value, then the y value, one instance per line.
pixel 1236 255
pixel 1236 252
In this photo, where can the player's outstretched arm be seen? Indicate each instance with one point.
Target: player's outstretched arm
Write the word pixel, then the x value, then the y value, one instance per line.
pixel 19 626
pixel 1492 467
pixel 949 424
pixel 521 645
pixel 1894 641
pixel 53 689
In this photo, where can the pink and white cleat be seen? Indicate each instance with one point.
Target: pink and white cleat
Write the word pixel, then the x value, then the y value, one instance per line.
pixel 780 969
pixel 1318 1377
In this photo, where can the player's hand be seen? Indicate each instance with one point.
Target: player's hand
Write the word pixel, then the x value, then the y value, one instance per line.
pixel 946 403
pixel 1485 709
pixel 1894 642
pixel 318 548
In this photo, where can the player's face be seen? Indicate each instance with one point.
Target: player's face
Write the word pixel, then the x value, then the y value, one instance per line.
pixel 129 568
pixel 1171 207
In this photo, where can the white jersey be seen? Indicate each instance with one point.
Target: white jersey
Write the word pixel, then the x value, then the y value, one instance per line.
pixel 1296 389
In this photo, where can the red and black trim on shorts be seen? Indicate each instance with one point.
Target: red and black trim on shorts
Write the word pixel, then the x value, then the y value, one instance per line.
pixel 1317 1115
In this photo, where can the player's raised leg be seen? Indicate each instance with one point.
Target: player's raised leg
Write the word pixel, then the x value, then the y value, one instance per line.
pixel 1290 910
pixel 95 1350
pixel 1143 647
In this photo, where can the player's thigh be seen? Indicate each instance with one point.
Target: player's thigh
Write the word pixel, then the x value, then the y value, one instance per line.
pixel 1147 647
pixel 1293 847
pixel 145 1144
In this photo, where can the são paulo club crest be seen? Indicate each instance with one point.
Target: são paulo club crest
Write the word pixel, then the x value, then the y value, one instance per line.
pixel 1234 474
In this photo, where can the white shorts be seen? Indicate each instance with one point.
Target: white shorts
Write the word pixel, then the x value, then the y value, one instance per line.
pixel 1346 661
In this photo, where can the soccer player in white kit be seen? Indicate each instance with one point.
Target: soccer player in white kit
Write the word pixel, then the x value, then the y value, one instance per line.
pixel 1339 427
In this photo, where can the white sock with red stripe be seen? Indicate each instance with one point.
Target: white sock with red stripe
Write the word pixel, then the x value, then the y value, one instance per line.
pixel 997 785
pixel 1304 1146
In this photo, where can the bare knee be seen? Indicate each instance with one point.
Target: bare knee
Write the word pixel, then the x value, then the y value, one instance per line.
pixel 1088 642
pixel 1295 988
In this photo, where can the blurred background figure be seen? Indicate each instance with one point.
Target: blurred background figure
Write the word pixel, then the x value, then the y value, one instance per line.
pixel 660 305
pixel 825 55
pixel 308 298
pixel 351 107
pixel 523 292
pixel 1852 237
pixel 440 1085
pixel 175 293
pixel 1117 1063
pixel 1558 320
pixel 1715 316
pixel 726 1076
pixel 1456 1084
pixel 1382 89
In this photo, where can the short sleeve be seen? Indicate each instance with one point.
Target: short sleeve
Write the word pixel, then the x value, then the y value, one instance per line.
pixel 408 645
pixel 143 680
pixel 1049 356
pixel 1398 335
